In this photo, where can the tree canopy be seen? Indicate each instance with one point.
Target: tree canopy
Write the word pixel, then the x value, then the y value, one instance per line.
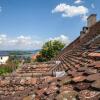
pixel 49 50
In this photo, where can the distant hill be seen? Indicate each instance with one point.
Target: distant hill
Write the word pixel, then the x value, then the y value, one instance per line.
pixel 18 52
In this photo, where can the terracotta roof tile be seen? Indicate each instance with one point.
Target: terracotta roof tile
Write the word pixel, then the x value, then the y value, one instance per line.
pixel 93 77
pixel 93 54
pixel 89 95
pixel 79 78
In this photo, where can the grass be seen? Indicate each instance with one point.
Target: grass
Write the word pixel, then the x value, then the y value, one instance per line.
pixel 5 70
pixel 8 68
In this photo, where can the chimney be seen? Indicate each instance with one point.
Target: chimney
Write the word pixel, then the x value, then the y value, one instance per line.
pixel 82 34
pixel 91 20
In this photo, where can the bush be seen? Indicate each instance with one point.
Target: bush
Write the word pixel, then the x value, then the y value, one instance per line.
pixel 49 50
pixel 9 67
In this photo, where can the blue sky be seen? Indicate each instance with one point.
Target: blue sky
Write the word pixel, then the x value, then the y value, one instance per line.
pixel 27 24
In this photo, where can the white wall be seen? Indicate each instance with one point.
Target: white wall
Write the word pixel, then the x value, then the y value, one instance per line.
pixel 3 59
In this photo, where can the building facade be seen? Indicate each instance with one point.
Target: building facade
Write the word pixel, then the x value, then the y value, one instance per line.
pixel 3 57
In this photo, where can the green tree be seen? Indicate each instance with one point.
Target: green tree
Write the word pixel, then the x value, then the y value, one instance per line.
pixel 49 50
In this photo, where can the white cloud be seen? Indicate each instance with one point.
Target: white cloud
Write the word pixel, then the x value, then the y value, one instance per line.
pixel 25 42
pixel 62 38
pixel 22 40
pixel 19 43
pixel 70 11
pixel 78 1
pixel 92 5
pixel 3 38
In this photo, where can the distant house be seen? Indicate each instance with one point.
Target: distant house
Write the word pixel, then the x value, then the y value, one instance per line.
pixel 33 57
pixel 4 56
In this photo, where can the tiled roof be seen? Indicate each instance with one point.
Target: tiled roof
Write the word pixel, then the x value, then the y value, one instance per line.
pixel 80 82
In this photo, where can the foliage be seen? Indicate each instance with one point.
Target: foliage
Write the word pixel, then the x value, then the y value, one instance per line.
pixel 27 60
pixel 7 68
pixel 39 58
pixel 49 50
pixel 10 66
